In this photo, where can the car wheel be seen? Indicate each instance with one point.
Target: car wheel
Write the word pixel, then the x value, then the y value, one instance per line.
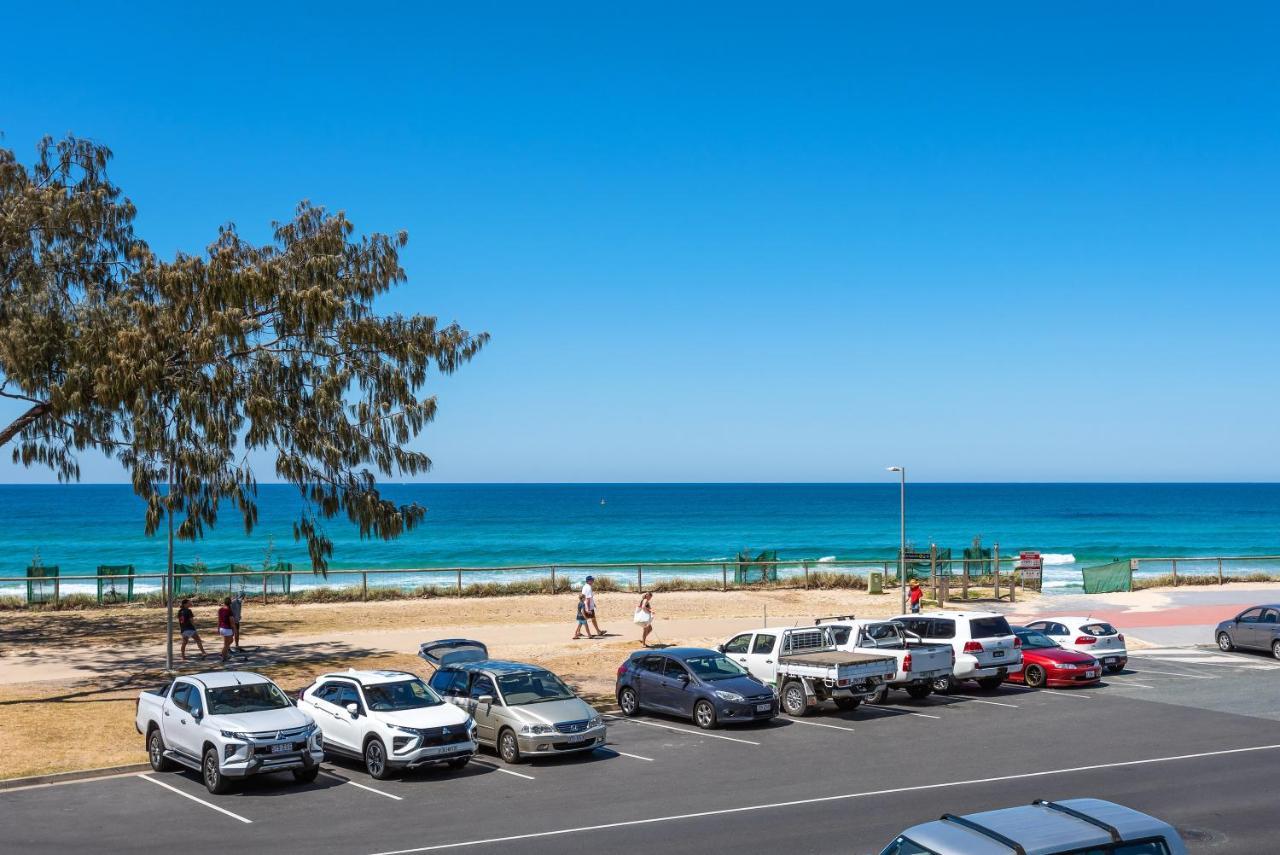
pixel 704 715
pixel 1035 676
pixel 306 776
pixel 214 781
pixel 375 759
pixel 628 702
pixel 989 684
pixel 1224 643
pixel 944 685
pixel 1275 649
pixel 881 695
pixel 919 693
pixel 794 702
pixel 847 704
pixel 460 763
pixel 508 746
pixel 155 752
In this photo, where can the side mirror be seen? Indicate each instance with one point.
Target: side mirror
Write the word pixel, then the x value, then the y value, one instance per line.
pixel 353 709
pixel 720 647
pixel 684 677
pixel 197 714
pixel 486 700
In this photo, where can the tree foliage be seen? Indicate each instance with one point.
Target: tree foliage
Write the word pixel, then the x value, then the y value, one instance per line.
pixel 180 368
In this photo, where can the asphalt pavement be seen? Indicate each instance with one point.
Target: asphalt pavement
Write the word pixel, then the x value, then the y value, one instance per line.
pixel 1189 735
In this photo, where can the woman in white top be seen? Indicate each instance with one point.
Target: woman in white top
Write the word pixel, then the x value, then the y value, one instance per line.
pixel 644 617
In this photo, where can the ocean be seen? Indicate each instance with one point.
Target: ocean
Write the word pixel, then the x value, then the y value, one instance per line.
pixel 78 527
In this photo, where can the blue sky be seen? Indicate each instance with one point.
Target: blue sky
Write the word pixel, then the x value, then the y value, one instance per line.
pixel 723 243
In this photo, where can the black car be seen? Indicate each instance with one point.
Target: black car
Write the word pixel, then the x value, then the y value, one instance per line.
pixel 1257 628
pixel 699 684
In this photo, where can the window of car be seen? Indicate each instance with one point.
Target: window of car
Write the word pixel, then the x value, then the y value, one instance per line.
pixel 941 629
pixel 763 643
pixel 674 670
pixel 451 684
pixel 1098 628
pixel 882 635
pixel 920 626
pixel 533 687
pixel 246 698
pixel 400 695
pixel 327 692
pixel 1152 846
pixel 195 705
pixel 712 667
pixel 1251 616
pixel 483 685
pixel 1269 616
pixel 906 846
pixel 989 627
pixel 1032 640
pixel 739 643
pixel 652 664
pixel 181 695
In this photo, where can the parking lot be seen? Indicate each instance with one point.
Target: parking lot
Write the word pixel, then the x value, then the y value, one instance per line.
pixel 1178 734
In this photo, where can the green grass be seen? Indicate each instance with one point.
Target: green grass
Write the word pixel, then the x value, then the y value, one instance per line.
pixel 1192 580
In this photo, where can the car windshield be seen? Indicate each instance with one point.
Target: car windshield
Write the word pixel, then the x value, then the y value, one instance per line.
pixel 533 687
pixel 1032 640
pixel 714 667
pixel 253 697
pixel 402 695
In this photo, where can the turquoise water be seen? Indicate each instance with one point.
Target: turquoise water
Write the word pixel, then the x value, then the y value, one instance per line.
pixel 80 526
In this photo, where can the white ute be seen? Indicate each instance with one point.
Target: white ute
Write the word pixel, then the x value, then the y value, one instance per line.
pixel 920 663
pixel 389 720
pixel 986 649
pixel 228 725
pixel 805 667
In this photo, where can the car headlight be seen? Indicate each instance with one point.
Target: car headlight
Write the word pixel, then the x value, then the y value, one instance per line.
pixel 596 721
pixel 537 729
pixel 730 696
pixel 412 731
pixel 1067 666
pixel 234 734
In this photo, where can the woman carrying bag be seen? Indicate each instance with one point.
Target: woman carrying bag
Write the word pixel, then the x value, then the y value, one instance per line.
pixel 644 617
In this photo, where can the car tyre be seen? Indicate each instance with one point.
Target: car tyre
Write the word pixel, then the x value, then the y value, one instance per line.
pixel 214 781
pixel 794 703
pixel 1224 643
pixel 628 702
pixel 508 746
pixel 1275 649
pixel 880 696
pixel 1034 676
pixel 847 704
pixel 989 684
pixel 375 760
pixel 155 752
pixel 919 693
pixel 460 762
pixel 945 685
pixel 306 776
pixel 704 715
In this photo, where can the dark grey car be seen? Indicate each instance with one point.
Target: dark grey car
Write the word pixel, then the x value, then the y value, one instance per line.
pixel 1256 628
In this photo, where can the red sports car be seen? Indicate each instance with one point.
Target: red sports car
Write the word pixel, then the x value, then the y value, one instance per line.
pixel 1046 663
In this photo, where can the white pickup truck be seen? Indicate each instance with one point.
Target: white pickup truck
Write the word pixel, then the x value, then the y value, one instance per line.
pixel 228 725
pixel 920 663
pixel 805 667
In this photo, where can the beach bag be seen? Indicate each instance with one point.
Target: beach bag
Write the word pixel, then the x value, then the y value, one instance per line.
pixel 642 617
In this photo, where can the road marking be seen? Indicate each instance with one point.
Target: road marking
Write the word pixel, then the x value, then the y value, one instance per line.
pixel 820 724
pixel 899 712
pixel 371 789
pixel 1174 674
pixel 821 799
pixel 632 756
pixel 692 732
pixel 981 701
pixel 1066 693
pixel 1126 684
pixel 504 771
pixel 194 799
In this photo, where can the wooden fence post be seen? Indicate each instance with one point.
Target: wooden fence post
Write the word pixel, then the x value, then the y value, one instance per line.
pixel 1219 571
pixel 995 565
pixel 459 581
pixel 364 586
pixel 265 577
pixel 933 569
pixel 964 580
pixel 724 577
pixel 639 578
pixel 1175 572
pixel 553 578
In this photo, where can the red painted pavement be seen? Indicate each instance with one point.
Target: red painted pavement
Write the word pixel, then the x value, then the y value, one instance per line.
pixel 1164 616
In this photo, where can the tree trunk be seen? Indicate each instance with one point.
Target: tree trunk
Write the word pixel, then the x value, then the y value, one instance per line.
pixel 32 415
pixel 168 653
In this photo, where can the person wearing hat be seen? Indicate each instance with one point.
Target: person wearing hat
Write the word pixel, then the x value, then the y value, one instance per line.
pixel 589 598
pixel 915 595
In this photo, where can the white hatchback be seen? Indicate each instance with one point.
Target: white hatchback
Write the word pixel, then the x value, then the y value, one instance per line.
pixel 389 720
pixel 1089 635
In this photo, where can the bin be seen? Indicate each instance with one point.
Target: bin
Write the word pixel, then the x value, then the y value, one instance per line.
pixel 875 583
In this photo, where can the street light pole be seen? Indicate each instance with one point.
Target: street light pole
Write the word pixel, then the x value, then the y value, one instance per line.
pixel 902 533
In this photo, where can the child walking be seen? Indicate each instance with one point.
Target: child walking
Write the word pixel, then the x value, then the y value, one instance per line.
pixel 582 618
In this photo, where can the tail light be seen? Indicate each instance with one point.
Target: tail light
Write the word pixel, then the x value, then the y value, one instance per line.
pixel 622 669
pixel 1086 639
pixel 973 647
pixel 1017 642
pixel 1120 637
pixel 906 662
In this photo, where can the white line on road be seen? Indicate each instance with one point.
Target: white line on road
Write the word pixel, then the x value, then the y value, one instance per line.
pixel 632 756
pixel 836 798
pixel 194 799
pixel 1068 693
pixel 819 724
pixel 1174 674
pixel 1126 684
pixel 370 789
pixel 899 712
pixel 691 732
pixel 981 701
pixel 504 771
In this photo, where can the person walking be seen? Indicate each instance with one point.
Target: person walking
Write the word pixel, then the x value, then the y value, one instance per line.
pixel 187 624
pixel 644 617
pixel 582 618
pixel 589 596
pixel 237 609
pixel 224 628
pixel 916 594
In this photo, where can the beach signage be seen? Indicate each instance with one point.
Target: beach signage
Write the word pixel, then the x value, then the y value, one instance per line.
pixel 1031 565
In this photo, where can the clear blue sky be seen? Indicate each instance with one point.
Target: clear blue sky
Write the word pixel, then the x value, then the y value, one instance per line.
pixel 718 242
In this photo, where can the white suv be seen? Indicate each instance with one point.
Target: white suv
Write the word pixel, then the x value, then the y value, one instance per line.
pixel 986 648
pixel 388 719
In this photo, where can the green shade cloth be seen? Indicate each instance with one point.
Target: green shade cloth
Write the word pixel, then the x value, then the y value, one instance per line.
pixel 115 590
pixel 40 583
pixel 750 570
pixel 1109 578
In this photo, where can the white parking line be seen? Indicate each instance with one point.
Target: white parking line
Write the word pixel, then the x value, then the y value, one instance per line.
pixel 1126 684
pixel 688 731
pixel 821 799
pixel 194 799
pixel 819 724
pixel 899 712
pixel 632 756
pixel 1064 693
pixel 371 789
pixel 981 701
pixel 1174 674
pixel 504 771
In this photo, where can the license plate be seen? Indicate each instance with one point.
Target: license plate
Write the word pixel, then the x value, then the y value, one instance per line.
pixel 1111 660
pixel 763 707
pixel 581 737
pixel 997 654
pixel 282 748
pixel 1091 673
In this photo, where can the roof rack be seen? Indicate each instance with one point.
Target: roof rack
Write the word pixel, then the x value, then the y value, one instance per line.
pixel 817 621
pixel 1083 817
pixel 988 833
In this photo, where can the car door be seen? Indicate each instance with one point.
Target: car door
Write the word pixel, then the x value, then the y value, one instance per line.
pixel 1247 628
pixel 487 715
pixel 679 688
pixel 329 703
pixel 738 648
pixel 649 683
pixel 1267 628
pixel 181 728
pixel 761 661
pixel 347 729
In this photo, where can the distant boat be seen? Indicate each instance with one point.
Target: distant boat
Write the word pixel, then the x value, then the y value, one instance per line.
pixel 602 501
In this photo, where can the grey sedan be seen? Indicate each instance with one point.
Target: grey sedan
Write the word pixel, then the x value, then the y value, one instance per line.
pixel 1257 628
